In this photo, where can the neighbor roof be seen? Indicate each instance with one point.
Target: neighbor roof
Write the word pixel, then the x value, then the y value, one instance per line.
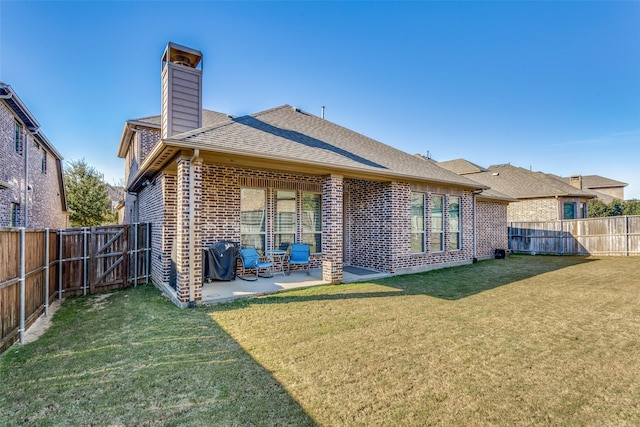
pixel 13 101
pixel 524 184
pixel 597 181
pixel 287 134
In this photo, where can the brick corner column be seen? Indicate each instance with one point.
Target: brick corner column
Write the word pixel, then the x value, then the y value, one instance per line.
pixel 332 229
pixel 188 254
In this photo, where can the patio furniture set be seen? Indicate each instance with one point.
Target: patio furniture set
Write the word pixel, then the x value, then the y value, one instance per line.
pixel 221 258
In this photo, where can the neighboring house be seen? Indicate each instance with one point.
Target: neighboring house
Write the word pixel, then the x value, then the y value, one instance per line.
pixel 605 189
pixel 540 196
pixel 31 181
pixel 116 195
pixel 281 176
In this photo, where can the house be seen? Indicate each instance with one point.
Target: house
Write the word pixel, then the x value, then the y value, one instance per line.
pixel 490 214
pixel 605 189
pixel 280 176
pixel 540 196
pixel 31 178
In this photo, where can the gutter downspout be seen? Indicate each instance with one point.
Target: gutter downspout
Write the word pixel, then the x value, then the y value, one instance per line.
pixel 192 231
pixel 25 148
pixel 475 230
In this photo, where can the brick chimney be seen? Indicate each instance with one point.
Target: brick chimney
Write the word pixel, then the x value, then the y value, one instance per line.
pixel 576 181
pixel 181 90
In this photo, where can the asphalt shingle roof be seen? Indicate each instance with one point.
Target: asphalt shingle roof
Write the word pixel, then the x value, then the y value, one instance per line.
pixel 597 181
pixel 461 166
pixel 209 118
pixel 524 184
pixel 287 133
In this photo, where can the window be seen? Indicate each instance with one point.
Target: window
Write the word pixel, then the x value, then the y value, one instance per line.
pixel 14 215
pixel 252 218
pixel 290 216
pixel 454 222
pixel 43 161
pixel 17 140
pixel 569 211
pixel 418 239
pixel 284 222
pixel 437 223
pixel 312 221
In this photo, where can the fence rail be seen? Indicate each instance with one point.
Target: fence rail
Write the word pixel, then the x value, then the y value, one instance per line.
pixel 615 236
pixel 38 266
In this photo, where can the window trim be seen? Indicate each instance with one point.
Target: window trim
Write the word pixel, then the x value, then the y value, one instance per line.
pixel 262 233
pixel 314 233
pixel 14 215
pixel 18 138
pixel 422 233
pixel 441 230
pixel 275 232
pixel 458 231
pixel 43 161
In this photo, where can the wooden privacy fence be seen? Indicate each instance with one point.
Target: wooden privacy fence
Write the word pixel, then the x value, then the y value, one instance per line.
pixel 617 235
pixel 38 266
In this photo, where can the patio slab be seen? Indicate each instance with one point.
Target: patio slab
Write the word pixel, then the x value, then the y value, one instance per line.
pixel 217 292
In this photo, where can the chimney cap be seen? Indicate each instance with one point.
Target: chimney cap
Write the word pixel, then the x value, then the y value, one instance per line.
pixel 182 55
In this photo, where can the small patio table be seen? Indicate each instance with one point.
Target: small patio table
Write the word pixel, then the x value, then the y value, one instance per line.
pixel 277 255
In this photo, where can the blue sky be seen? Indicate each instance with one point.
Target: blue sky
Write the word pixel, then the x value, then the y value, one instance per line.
pixel 552 86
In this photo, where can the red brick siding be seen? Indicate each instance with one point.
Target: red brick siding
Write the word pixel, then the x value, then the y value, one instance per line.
pixel 491 228
pixel 44 207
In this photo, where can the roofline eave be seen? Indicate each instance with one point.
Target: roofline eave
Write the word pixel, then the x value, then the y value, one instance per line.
pixel 164 143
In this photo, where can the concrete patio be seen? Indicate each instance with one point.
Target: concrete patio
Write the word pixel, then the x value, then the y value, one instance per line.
pixel 216 292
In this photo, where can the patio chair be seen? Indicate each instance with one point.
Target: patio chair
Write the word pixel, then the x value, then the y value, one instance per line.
pixel 250 259
pixel 299 255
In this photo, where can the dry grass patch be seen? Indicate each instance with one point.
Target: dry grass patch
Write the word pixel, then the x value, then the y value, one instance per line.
pixel 524 341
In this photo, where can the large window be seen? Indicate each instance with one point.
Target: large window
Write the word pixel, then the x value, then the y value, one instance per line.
pixel 437 223
pixel 417 223
pixel 17 139
pixel 312 221
pixel 252 218
pixel 569 211
pixel 284 221
pixel 454 222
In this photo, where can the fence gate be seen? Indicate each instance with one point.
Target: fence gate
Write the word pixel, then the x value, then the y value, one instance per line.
pixel 108 258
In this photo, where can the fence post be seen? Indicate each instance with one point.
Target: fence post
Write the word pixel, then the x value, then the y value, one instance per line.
pixel 60 238
pixel 84 261
pixel 561 238
pixel 135 254
pixel 626 235
pixel 46 271
pixel 148 253
pixel 22 283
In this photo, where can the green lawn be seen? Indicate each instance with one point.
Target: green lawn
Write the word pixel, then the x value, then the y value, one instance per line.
pixel 523 341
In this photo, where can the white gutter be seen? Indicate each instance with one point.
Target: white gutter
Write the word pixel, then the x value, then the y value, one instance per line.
pixel 192 231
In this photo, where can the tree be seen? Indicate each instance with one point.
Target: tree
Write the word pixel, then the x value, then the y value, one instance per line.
pixel 87 196
pixel 631 207
pixel 597 208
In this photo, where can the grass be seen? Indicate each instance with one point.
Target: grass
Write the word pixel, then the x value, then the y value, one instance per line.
pixel 524 341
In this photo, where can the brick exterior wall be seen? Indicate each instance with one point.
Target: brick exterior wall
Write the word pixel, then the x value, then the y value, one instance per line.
pixel 369 214
pixel 550 209
pixel 332 229
pixel 491 228
pixel 44 204
pixel 140 145
pixel 377 229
